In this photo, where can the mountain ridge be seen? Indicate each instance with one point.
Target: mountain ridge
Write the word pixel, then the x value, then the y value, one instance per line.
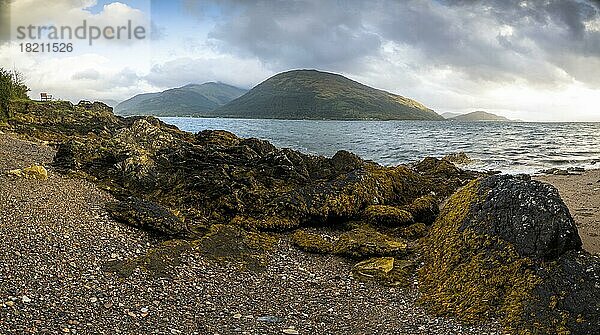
pixel 312 94
pixel 187 100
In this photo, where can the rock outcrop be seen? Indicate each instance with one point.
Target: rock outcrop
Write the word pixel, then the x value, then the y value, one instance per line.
pixel 507 247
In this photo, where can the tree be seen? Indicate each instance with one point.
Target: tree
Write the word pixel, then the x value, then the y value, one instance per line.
pixel 11 87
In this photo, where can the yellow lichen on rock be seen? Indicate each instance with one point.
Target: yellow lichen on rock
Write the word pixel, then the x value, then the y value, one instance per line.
pixel 387 270
pixel 33 172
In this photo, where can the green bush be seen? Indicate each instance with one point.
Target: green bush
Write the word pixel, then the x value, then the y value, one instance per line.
pixel 11 88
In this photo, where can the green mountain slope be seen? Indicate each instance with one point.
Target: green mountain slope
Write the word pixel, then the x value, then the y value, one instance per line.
pixel 311 94
pixel 189 100
pixel 479 116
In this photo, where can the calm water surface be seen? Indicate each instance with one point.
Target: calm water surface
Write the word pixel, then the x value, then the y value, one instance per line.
pixel 510 147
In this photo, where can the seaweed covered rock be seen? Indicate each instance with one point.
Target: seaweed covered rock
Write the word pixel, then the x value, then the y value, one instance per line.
pixel 311 242
pixel 424 209
pixel 364 242
pixel 358 243
pixel 444 176
pixel 507 247
pixel 214 177
pixel 387 216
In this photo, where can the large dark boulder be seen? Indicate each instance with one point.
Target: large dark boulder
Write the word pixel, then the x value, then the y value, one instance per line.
pixel 528 214
pixel 507 247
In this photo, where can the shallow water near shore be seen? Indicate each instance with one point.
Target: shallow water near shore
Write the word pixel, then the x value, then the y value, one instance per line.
pixel 510 147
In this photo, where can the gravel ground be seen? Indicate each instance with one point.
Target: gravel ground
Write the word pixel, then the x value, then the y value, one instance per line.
pixel 55 237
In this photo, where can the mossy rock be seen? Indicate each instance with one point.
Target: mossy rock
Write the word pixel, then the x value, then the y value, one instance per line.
pixel 364 242
pixel 159 261
pixel 386 270
pixel 233 245
pixel 359 243
pixel 311 242
pixel 502 247
pixel 387 216
pixel 146 215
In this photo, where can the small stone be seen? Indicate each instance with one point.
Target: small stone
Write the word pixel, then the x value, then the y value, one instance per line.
pixel 108 305
pixel 93 299
pixel 132 314
pixel 144 310
pixel 25 299
pixel 237 316
pixel 291 331
pixel 268 318
pixel 9 303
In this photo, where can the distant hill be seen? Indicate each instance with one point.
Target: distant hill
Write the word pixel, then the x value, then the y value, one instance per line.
pixel 189 100
pixel 311 94
pixel 479 116
pixel 449 115
pixel 109 102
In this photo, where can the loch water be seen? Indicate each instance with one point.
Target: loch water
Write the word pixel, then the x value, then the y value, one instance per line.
pixel 510 147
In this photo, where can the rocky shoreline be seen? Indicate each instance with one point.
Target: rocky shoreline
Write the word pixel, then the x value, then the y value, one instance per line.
pixel 269 238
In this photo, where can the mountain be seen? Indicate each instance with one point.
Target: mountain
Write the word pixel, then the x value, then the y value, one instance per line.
pixel 311 94
pixel 479 116
pixel 449 115
pixel 109 102
pixel 189 100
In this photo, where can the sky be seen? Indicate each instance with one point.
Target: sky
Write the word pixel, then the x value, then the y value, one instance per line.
pixel 530 60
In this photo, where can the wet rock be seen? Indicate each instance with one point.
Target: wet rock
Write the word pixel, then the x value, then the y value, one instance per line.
pixel 216 177
pixel 345 161
pixel 507 247
pixel 360 243
pixel 443 176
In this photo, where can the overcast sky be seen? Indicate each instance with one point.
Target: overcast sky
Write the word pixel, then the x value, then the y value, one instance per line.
pixel 532 60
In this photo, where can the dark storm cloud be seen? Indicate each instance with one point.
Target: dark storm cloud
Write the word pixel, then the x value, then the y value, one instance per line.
pixel 302 33
pixel 542 42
